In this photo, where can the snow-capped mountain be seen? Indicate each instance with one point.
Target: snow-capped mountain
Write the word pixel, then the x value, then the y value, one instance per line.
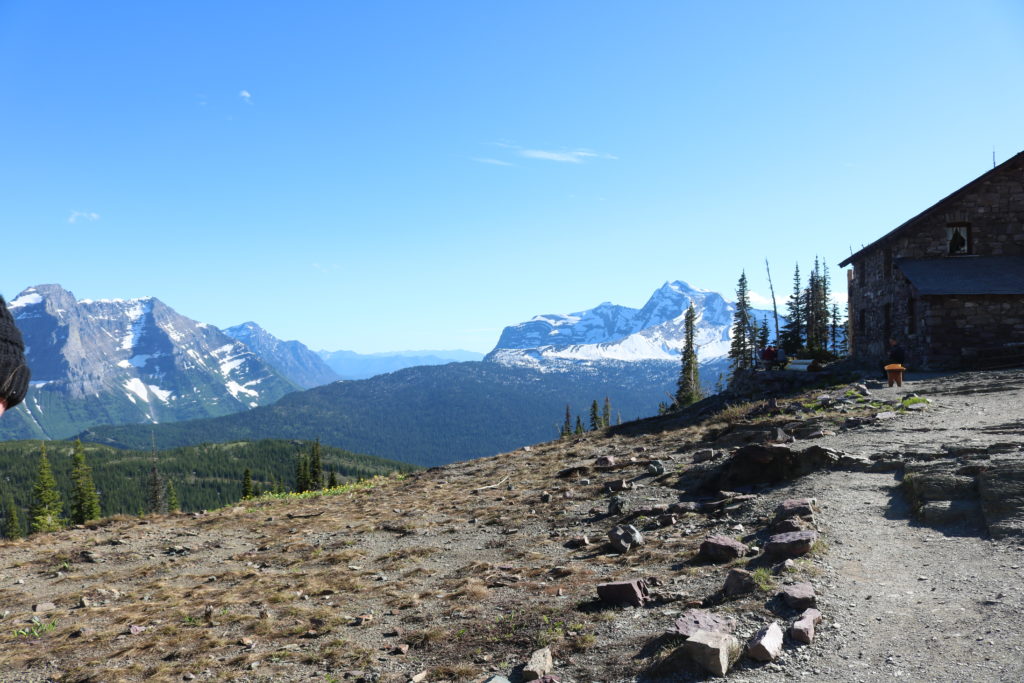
pixel 121 361
pixel 620 333
pixel 292 359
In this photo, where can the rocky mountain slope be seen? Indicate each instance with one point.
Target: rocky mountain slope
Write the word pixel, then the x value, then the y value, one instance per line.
pixel 124 361
pixel 292 359
pixel 599 558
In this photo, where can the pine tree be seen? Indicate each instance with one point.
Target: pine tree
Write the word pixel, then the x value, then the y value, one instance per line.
pixel 85 501
pixel 595 416
pixel 793 331
pixel 741 351
pixel 567 425
pixel 689 391
pixel 302 474
pixel 247 484
pixel 579 425
pixel 12 520
pixel 156 499
pixel 763 335
pixel 172 497
pixel 45 512
pixel 606 413
pixel 316 472
pixel 332 480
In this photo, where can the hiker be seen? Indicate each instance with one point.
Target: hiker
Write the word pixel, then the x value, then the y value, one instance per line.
pixel 767 357
pixel 780 358
pixel 14 373
pixel 897 356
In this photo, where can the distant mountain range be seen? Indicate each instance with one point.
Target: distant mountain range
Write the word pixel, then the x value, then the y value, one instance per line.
pixel 181 382
pixel 352 365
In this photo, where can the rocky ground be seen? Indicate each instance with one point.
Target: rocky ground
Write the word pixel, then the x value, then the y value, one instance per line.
pixel 486 568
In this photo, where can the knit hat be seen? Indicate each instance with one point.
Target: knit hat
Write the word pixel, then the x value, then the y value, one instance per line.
pixel 14 373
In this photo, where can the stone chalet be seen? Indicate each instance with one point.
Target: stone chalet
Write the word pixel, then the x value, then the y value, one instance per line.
pixel 948 283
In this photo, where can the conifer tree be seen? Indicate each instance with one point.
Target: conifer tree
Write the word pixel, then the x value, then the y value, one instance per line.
pixel 579 425
pixel 595 416
pixel 12 520
pixel 172 497
pixel 689 391
pixel 247 484
pixel 606 413
pixel 332 480
pixel 85 501
pixel 741 351
pixel 793 331
pixel 763 335
pixel 316 472
pixel 156 499
pixel 45 512
pixel 302 474
pixel 567 425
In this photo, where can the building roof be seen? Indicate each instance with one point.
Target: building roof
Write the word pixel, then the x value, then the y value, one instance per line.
pixel 965 274
pixel 966 188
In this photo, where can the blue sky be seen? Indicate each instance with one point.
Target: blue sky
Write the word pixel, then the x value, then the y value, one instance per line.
pixel 379 176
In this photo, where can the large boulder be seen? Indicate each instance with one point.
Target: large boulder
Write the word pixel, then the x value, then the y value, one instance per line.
pixel 1001 489
pixel 769 464
pixel 693 620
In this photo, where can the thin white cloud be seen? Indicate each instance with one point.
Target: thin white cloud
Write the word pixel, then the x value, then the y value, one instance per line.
pixel 572 157
pixel 90 216
pixel 493 162
pixel 246 96
pixel 764 302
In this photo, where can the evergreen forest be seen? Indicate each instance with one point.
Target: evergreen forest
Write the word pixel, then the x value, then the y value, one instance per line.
pixel 201 477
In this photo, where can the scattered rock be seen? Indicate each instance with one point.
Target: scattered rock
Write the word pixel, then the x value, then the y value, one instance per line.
pixel 632 592
pixel 803 628
pixel 44 607
pixel 721 549
pixel 791 544
pixel 704 454
pixel 766 644
pixel 656 468
pixel 738 582
pixel 625 536
pixel 799 596
pixel 618 485
pixel 605 461
pixel 693 620
pixel 715 651
pixel 795 507
pixel 539 665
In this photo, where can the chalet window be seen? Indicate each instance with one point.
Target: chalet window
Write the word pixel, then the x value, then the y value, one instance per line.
pixel 958 239
pixel 911 316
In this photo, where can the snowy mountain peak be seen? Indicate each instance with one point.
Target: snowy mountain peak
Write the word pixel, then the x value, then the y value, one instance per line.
pixel 611 332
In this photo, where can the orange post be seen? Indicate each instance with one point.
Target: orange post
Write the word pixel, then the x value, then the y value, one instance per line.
pixel 895 374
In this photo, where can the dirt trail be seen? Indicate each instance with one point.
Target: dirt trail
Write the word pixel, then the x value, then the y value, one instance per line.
pixel 902 600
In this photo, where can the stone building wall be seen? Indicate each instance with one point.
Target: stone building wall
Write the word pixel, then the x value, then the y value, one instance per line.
pixel 989 213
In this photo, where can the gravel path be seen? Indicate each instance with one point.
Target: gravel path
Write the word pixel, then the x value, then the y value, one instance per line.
pixel 902 600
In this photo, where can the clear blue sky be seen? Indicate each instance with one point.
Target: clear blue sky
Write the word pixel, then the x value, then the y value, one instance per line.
pixel 385 175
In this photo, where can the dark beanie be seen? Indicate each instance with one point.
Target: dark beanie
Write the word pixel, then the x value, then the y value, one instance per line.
pixel 14 373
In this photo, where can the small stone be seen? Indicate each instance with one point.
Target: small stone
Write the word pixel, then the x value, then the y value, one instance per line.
pixel 721 549
pixel 605 461
pixel 766 644
pixel 363 619
pixel 799 596
pixel 738 582
pixel 401 649
pixel 715 651
pixel 545 497
pixel 539 664
pixel 618 485
pixel 803 628
pixel 704 454
pixel 791 544
pixel 44 607
pixel 632 592
pixel 625 536
pixel 656 468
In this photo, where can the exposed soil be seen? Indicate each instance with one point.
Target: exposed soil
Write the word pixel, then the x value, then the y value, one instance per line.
pixel 472 568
